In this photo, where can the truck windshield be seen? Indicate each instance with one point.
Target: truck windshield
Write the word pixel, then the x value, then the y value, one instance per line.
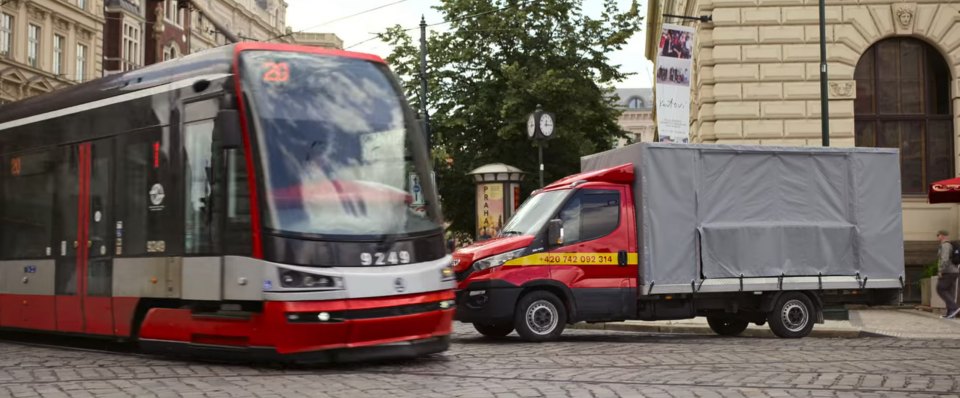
pixel 334 147
pixel 534 213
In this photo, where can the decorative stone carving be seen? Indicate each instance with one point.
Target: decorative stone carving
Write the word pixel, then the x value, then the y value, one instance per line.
pixel 841 89
pixel 158 23
pixel 11 4
pixel 61 23
pixel 904 14
pixel 36 13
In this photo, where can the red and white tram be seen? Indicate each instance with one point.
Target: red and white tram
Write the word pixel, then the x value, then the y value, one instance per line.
pixel 252 200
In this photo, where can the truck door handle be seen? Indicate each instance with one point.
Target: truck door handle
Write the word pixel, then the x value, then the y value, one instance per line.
pixel 622 258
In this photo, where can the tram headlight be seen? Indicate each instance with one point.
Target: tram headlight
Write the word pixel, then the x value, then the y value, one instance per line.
pixel 447 274
pixel 297 279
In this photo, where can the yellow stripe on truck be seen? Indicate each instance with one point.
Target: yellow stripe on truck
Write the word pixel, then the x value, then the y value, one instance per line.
pixel 541 259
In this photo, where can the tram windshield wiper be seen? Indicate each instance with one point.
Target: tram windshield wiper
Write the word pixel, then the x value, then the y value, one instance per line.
pixel 386 242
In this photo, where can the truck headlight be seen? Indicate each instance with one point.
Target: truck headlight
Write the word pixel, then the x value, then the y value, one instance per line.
pixel 497 260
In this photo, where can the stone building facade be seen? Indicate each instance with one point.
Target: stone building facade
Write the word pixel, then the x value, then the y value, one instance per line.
pixel 168 35
pixel 636 119
pixel 48 44
pixel 258 20
pixel 124 32
pixel 893 70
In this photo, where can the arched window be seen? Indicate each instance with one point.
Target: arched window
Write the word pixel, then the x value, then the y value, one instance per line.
pixel 635 103
pixel 903 101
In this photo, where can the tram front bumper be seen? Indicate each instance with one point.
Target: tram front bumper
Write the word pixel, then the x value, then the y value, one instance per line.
pixel 309 331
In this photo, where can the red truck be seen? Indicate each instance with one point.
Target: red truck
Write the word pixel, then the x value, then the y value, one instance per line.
pixel 736 234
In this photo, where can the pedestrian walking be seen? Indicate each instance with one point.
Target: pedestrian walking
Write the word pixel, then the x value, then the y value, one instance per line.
pixel 947 285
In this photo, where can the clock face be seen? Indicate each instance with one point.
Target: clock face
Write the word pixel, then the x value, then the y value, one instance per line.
pixel 531 125
pixel 546 124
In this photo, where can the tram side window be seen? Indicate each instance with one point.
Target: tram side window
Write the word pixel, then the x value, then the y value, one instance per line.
pixel 26 209
pixel 143 196
pixel 216 194
pixel 200 224
pixel 237 234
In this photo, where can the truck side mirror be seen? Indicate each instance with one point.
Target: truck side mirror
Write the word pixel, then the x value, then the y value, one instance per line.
pixel 555 232
pixel 228 125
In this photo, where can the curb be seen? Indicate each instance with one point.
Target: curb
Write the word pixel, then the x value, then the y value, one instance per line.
pixel 750 332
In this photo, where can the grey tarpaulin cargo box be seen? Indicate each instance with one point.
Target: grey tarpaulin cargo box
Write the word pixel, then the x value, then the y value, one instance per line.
pixel 718 218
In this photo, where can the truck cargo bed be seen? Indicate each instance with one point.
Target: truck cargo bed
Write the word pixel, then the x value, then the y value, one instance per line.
pixel 718 218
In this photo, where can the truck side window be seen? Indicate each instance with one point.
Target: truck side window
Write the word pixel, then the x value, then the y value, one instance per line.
pixel 589 215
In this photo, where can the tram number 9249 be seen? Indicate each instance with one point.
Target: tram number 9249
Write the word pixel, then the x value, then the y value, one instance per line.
pixel 390 258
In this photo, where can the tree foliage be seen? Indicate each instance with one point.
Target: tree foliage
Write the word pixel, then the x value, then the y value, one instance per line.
pixel 496 62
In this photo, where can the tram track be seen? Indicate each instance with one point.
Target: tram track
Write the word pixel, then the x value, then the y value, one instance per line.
pixel 129 349
pixel 81 344
pixel 488 367
pixel 672 384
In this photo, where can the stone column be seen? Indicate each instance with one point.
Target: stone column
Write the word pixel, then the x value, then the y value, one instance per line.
pixel 46 43
pixel 20 34
pixel 70 52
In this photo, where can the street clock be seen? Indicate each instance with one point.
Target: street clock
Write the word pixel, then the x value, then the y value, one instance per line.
pixel 546 124
pixel 532 125
pixel 540 125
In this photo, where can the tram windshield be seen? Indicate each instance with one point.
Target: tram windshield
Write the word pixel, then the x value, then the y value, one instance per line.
pixel 334 145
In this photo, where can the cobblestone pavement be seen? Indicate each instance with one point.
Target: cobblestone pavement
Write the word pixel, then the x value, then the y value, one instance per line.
pixel 584 364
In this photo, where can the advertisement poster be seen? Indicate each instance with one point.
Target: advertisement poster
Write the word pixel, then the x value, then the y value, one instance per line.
pixel 489 210
pixel 516 200
pixel 673 71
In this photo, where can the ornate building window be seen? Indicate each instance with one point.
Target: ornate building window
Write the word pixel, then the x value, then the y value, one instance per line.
pixel 132 56
pixel 81 63
pixel 6 35
pixel 170 52
pixel 33 45
pixel 173 13
pixel 635 103
pixel 58 42
pixel 903 101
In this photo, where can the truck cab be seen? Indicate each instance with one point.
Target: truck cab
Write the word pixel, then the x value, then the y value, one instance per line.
pixel 567 255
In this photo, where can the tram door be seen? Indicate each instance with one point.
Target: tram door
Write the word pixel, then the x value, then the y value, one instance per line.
pixel 82 225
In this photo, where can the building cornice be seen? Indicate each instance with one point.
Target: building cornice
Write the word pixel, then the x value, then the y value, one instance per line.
pixel 58 9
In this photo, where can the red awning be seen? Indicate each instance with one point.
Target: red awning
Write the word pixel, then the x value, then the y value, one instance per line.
pixel 946 191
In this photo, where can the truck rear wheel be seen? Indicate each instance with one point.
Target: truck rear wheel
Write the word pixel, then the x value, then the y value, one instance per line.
pixel 793 316
pixel 727 326
pixel 540 316
pixel 493 330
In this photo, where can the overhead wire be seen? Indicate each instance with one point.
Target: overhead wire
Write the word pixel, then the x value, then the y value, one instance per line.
pixel 504 8
pixel 338 19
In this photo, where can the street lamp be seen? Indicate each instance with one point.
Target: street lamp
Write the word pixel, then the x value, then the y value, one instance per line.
pixel 824 97
pixel 540 128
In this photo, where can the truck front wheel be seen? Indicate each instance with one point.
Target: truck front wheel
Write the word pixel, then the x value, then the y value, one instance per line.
pixel 793 316
pixel 540 316
pixel 727 326
pixel 493 330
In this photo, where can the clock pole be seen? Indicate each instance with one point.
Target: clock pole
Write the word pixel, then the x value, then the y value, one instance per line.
pixel 540 128
pixel 540 151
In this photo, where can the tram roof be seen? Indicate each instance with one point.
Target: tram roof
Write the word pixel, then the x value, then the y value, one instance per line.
pixel 215 60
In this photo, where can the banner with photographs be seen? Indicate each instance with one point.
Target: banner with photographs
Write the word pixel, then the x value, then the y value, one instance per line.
pixel 674 67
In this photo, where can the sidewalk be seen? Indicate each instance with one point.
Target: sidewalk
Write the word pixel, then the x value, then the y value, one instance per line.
pixel 899 323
